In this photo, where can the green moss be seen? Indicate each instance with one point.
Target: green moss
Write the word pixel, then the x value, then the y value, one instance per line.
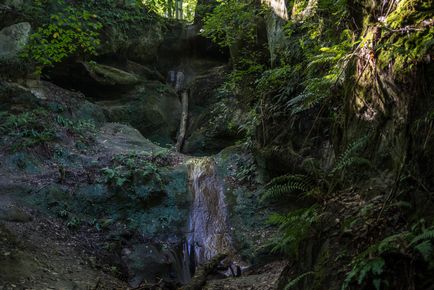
pixel 410 12
pixel 108 75
pixel 404 51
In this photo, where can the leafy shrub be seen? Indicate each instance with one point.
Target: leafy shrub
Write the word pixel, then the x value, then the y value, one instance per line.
pixel 295 227
pixel 26 129
pixel 370 266
pixel 70 32
pixel 129 171
pixel 229 21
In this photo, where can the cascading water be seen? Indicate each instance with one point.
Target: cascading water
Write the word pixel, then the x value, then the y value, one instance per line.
pixel 208 233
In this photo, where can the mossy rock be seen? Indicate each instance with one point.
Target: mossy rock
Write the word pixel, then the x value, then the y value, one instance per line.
pixel 111 76
pixel 139 43
pixel 152 108
pixel 247 216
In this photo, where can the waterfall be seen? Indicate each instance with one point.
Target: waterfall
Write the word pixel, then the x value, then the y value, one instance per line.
pixel 208 233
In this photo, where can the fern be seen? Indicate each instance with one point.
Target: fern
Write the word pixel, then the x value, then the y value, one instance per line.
pixel 295 227
pixel 425 249
pixel 287 178
pixel 362 268
pixel 425 235
pixel 391 243
pixel 348 157
pixel 284 185
pixel 422 243
pixel 406 242
pixel 295 281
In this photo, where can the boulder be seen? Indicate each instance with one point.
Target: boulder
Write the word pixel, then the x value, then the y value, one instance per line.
pixel 13 39
pixel 140 44
pixel 110 76
pixel 213 118
pixel 152 108
pixel 14 214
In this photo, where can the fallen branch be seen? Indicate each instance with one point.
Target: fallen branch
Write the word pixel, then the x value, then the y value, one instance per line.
pixel 199 279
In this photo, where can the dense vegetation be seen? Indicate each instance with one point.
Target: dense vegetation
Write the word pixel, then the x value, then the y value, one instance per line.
pixel 337 75
pixel 324 107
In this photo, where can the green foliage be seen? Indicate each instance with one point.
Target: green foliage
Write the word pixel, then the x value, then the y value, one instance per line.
pixel 325 70
pixel 295 281
pixel 282 186
pixel 295 227
pixel 81 127
pixel 70 32
pixel 410 12
pixel 349 157
pixel 167 8
pixel 373 267
pixel 231 21
pixel 244 169
pixel 128 171
pixel 319 181
pixel 26 129
pixel 128 20
pixel 369 266
pixel 406 39
pixel 277 85
pixel 74 223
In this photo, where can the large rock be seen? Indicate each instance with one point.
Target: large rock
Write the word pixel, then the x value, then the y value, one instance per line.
pixel 213 119
pixel 13 39
pixel 140 45
pixel 110 76
pixel 152 108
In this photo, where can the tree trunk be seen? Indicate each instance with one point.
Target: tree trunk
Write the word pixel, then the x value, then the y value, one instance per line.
pixel 178 6
pixel 169 8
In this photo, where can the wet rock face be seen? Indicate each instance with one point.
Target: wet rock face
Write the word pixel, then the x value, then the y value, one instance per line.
pixel 141 46
pixel 13 39
pixel 210 123
pixel 209 232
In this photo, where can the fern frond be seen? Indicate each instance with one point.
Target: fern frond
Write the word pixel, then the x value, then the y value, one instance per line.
pixel 287 184
pixel 392 242
pixel 425 249
pixel 347 158
pixel 277 191
pixel 295 281
pixel 287 178
pixel 294 228
pixel 425 235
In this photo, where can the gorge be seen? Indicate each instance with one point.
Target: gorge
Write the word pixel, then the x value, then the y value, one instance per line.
pixel 230 144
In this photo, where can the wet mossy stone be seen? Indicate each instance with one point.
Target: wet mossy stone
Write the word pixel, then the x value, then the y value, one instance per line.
pixel 247 216
pixel 110 76
pixel 140 43
pixel 13 39
pixel 119 138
